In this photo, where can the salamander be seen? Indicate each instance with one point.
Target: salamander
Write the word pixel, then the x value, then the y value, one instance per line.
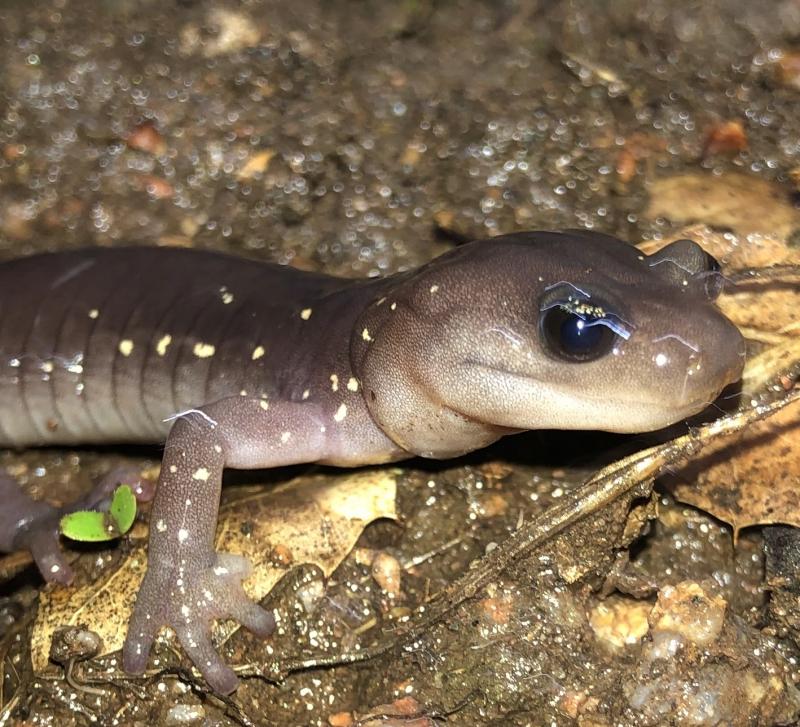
pixel 236 363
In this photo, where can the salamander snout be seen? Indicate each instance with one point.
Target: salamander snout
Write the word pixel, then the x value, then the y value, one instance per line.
pixel 703 362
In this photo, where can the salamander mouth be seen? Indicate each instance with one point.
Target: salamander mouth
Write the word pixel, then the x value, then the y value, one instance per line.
pixel 673 409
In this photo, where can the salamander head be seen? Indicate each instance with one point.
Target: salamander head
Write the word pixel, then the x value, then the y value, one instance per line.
pixel 569 330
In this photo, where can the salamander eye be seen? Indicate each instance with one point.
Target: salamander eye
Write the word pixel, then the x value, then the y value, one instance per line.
pixel 576 336
pixel 714 282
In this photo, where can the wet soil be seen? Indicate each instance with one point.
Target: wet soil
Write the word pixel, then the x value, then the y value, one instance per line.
pixel 363 138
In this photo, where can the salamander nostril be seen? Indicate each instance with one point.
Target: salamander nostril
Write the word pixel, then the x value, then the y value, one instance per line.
pixel 718 360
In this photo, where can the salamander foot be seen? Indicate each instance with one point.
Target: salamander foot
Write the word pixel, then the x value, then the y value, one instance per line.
pixel 188 598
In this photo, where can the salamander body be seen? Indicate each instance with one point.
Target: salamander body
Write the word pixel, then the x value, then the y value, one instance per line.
pixel 242 364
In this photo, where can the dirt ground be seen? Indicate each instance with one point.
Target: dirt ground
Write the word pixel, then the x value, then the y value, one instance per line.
pixel 364 138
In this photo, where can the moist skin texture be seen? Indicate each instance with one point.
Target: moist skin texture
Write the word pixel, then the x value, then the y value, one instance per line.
pixel 235 363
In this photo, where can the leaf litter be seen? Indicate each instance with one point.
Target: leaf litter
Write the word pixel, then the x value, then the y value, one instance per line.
pixel 276 530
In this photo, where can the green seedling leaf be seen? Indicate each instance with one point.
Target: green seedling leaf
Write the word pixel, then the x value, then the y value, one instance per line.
pixel 90 526
pixel 123 508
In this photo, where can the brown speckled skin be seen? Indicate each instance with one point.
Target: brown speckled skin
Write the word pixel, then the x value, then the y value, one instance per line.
pixel 240 364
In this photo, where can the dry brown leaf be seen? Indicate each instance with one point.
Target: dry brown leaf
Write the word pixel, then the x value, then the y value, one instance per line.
pixel 740 202
pixel 764 369
pixel 766 308
pixel 733 251
pixel 752 478
pixel 318 520
pixel 764 311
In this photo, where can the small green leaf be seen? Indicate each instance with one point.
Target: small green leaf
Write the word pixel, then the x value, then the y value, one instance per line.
pixel 123 508
pixel 88 526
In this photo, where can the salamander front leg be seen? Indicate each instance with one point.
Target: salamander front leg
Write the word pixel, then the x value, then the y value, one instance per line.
pixel 32 525
pixel 27 524
pixel 188 584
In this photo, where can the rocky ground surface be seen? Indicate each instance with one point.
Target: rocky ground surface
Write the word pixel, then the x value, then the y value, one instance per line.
pixel 364 138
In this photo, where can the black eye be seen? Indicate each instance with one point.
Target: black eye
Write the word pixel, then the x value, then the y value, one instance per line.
pixel 576 337
pixel 712 264
pixel 713 280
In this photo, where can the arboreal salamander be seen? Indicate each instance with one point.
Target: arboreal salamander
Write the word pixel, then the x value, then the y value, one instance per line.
pixel 235 363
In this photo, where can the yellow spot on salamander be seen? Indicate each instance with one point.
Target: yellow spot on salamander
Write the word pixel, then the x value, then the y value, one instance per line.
pixel 202 474
pixel 352 384
pixel 173 469
pixel 305 314
pixel 203 350
pixel 94 313
pixel 47 367
pixel 341 413
pixel 393 306
pixel 334 382
pixel 365 335
pixel 285 437
pixel 243 392
pixel 217 449
pixel 264 405
pixel 227 296
pixel 125 347
pixel 434 288
pixel 306 394
pixel 163 344
pixel 258 352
